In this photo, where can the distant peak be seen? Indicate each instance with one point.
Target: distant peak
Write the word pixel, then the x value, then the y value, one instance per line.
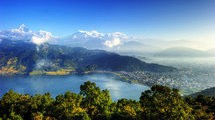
pixel 25 34
pixel 92 33
pixel 23 28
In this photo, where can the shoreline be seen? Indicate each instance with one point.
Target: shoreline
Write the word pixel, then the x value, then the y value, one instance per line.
pixel 118 74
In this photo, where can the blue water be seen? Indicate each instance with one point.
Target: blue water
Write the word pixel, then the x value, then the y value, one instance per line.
pixel 60 84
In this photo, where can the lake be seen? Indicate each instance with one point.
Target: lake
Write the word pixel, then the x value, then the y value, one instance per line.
pixel 60 84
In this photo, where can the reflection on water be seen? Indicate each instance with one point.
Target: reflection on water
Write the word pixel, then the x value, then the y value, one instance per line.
pixel 60 84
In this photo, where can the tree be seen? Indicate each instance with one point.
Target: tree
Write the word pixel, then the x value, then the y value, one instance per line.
pixel 14 116
pixel 126 110
pixel 160 103
pixel 67 107
pixel 96 102
pixel 14 105
pixel 40 105
pixel 164 103
pixel 201 107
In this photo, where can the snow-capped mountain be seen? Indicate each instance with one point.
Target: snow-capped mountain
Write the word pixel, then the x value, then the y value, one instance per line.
pixel 25 34
pixel 95 40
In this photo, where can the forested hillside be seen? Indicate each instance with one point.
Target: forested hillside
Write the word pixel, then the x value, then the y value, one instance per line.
pixel 21 57
pixel 206 92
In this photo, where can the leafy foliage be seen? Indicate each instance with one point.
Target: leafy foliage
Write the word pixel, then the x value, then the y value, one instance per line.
pixel 126 110
pixel 164 103
pixel 67 107
pixel 160 103
pixel 96 102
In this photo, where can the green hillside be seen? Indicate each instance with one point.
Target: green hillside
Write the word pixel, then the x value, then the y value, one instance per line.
pixel 207 92
pixel 18 57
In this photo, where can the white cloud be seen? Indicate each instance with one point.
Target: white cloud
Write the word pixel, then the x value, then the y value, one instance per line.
pixel 94 39
pixel 42 37
pixel 115 39
pixel 25 34
pixel 113 42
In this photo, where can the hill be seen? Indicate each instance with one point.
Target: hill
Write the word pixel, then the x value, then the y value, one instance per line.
pixel 211 52
pixel 181 52
pixel 207 92
pixel 21 57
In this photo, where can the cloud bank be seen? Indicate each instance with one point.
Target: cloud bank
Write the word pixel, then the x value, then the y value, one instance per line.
pixel 42 37
pixel 25 34
pixel 115 39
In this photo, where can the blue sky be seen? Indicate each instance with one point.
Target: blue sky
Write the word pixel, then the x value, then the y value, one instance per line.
pixel 160 19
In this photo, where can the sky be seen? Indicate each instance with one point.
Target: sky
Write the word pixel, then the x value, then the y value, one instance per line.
pixel 158 19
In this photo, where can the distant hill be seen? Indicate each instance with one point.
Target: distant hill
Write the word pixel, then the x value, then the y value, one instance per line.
pixel 206 92
pixel 181 52
pixel 211 52
pixel 19 57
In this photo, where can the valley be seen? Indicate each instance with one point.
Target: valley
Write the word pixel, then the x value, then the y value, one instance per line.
pixel 107 60
pixel 24 58
pixel 19 57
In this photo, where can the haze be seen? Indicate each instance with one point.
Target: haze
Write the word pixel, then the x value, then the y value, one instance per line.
pixel 151 23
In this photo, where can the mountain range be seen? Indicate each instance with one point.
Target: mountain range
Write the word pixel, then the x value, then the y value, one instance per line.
pixel 115 42
pixel 24 57
pixel 185 52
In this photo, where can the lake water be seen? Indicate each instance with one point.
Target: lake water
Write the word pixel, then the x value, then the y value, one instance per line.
pixel 60 84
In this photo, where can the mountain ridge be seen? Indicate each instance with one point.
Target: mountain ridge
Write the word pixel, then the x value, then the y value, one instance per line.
pixel 185 52
pixel 47 57
pixel 207 92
